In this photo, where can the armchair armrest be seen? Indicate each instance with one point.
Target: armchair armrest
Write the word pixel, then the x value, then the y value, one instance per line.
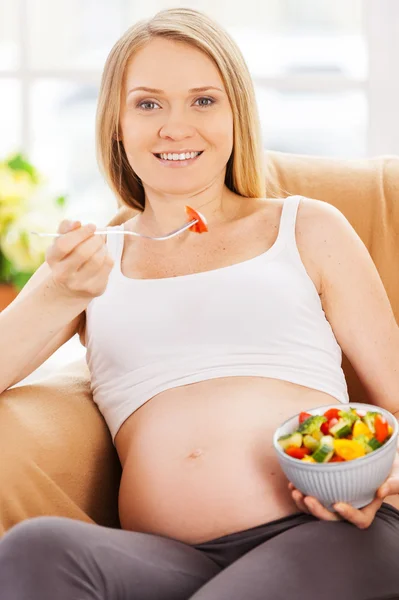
pixel 56 453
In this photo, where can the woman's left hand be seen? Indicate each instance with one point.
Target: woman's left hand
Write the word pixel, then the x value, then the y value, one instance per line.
pixel 362 517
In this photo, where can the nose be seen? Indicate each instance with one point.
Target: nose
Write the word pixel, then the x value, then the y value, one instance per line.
pixel 177 126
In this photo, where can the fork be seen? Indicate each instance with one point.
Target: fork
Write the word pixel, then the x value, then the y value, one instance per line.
pixel 125 232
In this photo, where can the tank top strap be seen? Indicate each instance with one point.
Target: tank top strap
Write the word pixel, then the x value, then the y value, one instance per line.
pixel 288 219
pixel 115 243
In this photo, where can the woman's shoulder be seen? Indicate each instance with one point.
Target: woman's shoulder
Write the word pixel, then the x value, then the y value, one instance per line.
pixel 310 210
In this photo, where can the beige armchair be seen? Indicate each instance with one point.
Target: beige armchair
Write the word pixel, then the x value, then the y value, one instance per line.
pixel 56 453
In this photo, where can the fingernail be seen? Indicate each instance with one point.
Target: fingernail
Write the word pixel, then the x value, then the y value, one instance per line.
pixel 340 507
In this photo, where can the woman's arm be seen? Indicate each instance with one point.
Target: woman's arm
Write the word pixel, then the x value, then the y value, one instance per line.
pixel 34 326
pixel 356 304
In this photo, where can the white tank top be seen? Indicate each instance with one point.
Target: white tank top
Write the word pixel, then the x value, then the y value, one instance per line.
pixel 261 317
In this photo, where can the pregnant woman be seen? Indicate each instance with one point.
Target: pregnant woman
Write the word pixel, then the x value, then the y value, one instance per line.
pixel 200 346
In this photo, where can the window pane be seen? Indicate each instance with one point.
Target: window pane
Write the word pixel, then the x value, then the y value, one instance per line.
pixel 270 15
pixel 10 116
pixel 321 124
pixel 280 37
pixel 81 34
pixel 340 16
pixel 9 51
pixel 63 116
pixel 310 36
pixel 296 54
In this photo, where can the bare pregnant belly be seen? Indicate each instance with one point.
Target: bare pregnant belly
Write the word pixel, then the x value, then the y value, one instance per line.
pixel 198 461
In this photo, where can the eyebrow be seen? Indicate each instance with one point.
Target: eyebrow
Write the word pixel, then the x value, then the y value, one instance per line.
pixel 192 91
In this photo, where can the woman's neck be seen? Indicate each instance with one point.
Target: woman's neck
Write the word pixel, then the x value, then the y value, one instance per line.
pixel 166 213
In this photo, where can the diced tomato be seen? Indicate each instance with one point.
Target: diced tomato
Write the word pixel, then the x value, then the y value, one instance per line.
pixel 303 416
pixel 325 428
pixel 336 458
pixel 381 428
pixel 201 226
pixel 332 413
pixel 297 452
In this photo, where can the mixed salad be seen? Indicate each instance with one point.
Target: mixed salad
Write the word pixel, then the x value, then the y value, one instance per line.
pixel 336 436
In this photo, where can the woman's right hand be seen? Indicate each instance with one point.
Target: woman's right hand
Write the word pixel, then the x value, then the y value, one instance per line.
pixel 79 260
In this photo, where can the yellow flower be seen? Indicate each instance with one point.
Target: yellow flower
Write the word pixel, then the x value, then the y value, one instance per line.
pixel 26 204
pixel 15 190
pixel 14 185
pixel 8 214
pixel 26 251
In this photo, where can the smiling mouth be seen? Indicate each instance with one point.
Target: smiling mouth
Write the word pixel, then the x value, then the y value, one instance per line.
pixel 178 159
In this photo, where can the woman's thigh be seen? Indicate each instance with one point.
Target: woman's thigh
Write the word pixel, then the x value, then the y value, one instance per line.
pixel 319 559
pixel 55 557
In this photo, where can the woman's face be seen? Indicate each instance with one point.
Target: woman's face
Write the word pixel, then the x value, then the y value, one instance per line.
pixel 175 119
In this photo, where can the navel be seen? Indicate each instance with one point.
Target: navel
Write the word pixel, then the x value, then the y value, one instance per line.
pixel 195 453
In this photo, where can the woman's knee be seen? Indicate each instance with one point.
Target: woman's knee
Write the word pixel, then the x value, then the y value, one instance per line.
pixel 38 537
pixel 40 559
pixel 329 547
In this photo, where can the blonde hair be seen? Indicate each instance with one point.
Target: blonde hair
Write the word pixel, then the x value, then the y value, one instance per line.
pixel 245 168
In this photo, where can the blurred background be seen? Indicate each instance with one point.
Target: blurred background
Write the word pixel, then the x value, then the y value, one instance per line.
pixel 326 75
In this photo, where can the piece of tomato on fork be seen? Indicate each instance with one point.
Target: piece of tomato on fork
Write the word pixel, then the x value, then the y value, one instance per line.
pixel 201 226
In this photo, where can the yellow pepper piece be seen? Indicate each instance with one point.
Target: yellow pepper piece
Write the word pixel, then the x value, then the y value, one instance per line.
pixel 348 449
pixel 390 430
pixel 361 428
pixel 308 458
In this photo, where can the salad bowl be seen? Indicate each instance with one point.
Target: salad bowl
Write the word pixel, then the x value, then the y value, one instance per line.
pixel 351 477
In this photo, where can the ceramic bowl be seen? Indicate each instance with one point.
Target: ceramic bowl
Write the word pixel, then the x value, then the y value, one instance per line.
pixel 355 481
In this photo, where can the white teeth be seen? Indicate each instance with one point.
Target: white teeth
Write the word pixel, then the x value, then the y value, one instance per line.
pixel 182 156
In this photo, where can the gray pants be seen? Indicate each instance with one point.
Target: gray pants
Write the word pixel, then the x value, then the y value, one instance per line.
pixel 300 557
